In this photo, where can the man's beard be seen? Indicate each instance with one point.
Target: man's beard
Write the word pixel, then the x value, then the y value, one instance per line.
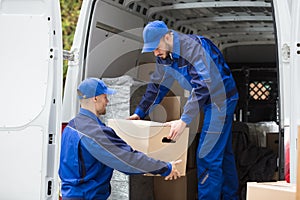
pixel 102 112
pixel 167 55
pixel 168 51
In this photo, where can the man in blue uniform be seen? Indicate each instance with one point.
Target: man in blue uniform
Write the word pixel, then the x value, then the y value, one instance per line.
pixel 198 65
pixel 90 150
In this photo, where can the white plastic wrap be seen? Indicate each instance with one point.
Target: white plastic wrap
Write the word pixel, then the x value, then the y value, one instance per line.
pixel 119 103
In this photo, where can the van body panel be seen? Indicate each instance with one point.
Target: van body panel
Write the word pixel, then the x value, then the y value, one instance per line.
pixel 31 84
pixel 20 63
pixel 283 22
pixel 295 82
pixel 22 153
pixel 287 25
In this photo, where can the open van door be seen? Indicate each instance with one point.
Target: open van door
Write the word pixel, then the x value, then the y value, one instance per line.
pixel 282 13
pixel 288 27
pixel 30 106
pixel 295 96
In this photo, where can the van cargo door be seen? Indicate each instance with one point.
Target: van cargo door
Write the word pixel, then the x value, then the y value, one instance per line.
pixel 31 86
pixel 295 96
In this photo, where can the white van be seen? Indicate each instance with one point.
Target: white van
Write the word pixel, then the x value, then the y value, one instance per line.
pixel 260 40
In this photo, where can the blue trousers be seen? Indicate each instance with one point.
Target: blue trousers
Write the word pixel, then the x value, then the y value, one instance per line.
pixel 216 170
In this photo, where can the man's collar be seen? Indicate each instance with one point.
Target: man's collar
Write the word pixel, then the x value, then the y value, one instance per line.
pixel 176 45
pixel 89 114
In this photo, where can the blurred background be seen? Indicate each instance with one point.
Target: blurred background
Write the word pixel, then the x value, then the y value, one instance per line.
pixel 70 10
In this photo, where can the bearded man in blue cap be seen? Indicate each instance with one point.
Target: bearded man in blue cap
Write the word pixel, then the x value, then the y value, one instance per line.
pixel 90 150
pixel 199 67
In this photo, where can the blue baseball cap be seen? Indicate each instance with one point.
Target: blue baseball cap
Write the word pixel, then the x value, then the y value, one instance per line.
pixel 152 34
pixel 92 87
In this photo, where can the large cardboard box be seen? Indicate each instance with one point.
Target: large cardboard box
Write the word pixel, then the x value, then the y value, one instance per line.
pixel 171 108
pixel 147 136
pixel 184 188
pixel 280 190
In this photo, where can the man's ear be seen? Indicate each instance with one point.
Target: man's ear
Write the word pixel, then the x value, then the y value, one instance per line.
pixel 168 38
pixel 95 99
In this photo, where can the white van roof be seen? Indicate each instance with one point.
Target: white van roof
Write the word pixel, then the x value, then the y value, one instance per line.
pixel 227 23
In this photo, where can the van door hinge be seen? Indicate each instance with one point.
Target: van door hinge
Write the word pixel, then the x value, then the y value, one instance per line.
pixel 286 52
pixel 68 55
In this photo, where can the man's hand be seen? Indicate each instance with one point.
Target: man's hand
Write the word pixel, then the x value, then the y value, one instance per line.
pixel 177 127
pixel 174 173
pixel 134 117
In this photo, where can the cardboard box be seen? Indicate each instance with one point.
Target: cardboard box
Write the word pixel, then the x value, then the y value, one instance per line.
pixel 144 74
pixel 146 136
pixel 184 188
pixel 271 190
pixel 170 109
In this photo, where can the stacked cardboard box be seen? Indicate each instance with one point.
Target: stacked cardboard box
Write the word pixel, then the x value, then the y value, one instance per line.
pixel 146 136
pixel 180 189
pixel 185 188
pixel 171 108
pixel 271 190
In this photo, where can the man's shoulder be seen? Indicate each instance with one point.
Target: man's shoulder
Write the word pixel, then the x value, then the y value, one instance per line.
pixel 187 39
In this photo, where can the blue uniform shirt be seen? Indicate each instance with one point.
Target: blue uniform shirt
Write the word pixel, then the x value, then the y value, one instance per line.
pixel 198 65
pixel 90 151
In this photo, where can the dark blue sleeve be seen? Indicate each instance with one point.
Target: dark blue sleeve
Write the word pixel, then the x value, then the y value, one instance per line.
pixel 155 92
pixel 207 77
pixel 111 150
pixel 199 95
pixel 201 79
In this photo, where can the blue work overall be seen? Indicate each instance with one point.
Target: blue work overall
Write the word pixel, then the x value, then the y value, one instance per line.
pixel 199 67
